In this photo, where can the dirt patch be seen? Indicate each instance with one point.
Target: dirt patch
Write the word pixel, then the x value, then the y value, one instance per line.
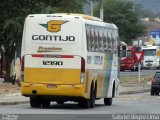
pixel 134 79
pixel 6 88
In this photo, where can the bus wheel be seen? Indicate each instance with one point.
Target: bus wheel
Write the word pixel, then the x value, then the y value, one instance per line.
pixel 60 102
pixel 45 103
pixel 85 103
pixel 35 102
pixel 92 97
pixel 88 103
pixel 80 104
pixel 107 101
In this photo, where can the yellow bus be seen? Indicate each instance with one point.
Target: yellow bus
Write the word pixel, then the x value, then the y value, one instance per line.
pixel 69 57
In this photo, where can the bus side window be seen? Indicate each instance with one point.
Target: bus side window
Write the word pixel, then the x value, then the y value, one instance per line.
pixel 101 48
pixel 92 40
pixel 114 35
pixel 88 40
pixel 112 41
pixel 102 43
pixel 105 42
pixel 109 39
pixel 96 38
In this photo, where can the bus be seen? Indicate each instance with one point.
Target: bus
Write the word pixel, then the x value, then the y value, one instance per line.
pixel 150 59
pixel 69 57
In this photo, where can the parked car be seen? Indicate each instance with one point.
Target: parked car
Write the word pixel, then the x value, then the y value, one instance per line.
pixel 155 86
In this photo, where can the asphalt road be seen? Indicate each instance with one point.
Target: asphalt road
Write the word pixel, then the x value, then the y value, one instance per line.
pixel 129 104
pixel 149 72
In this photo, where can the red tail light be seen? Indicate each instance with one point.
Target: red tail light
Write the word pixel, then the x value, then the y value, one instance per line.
pixel 82 65
pixel 154 82
pixel 22 64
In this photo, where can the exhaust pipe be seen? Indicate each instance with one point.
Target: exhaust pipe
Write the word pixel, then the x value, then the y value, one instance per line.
pixel 34 92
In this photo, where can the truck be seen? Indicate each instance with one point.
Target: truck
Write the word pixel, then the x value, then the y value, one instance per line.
pixel 151 59
pixel 128 62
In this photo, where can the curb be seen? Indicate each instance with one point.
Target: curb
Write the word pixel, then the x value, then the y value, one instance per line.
pixel 13 103
pixel 134 92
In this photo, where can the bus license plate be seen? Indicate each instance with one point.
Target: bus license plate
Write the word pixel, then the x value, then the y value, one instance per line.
pixel 51 86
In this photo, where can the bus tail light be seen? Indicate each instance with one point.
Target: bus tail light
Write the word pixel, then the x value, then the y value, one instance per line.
pixel 22 64
pixel 82 69
pixel 22 69
pixel 82 65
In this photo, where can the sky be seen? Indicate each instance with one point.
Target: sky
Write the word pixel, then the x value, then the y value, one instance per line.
pixel 152 5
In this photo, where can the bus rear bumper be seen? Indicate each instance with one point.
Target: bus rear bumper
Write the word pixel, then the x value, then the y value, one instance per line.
pixel 30 89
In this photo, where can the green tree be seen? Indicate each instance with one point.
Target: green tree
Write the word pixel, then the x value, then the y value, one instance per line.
pixel 13 14
pixel 121 14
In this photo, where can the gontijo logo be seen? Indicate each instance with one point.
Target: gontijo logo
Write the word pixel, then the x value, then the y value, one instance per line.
pixel 54 25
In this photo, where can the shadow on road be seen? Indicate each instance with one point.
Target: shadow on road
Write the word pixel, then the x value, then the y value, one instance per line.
pixel 70 106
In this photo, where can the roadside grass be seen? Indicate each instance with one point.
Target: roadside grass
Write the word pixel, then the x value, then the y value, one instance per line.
pixel 132 79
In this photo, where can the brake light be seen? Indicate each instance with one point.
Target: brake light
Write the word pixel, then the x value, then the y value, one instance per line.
pixel 22 64
pixel 82 65
pixel 154 82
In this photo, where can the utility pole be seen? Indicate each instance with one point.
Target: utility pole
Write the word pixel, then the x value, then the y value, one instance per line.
pixel 101 10
pixel 91 7
pixel 1 63
pixel 133 5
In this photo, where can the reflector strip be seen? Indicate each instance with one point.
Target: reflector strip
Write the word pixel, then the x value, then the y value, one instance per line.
pixel 52 56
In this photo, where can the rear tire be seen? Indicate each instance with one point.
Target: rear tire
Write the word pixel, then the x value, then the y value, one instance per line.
pixel 80 104
pixel 92 97
pixel 84 103
pixel 88 103
pixel 60 102
pixel 45 103
pixel 108 101
pixel 35 102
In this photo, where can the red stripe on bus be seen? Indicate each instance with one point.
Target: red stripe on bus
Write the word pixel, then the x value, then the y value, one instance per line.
pixel 67 56
pixel 53 56
pixel 38 55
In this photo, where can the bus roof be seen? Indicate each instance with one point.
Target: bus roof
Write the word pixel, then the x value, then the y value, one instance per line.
pixel 84 16
pixel 88 19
